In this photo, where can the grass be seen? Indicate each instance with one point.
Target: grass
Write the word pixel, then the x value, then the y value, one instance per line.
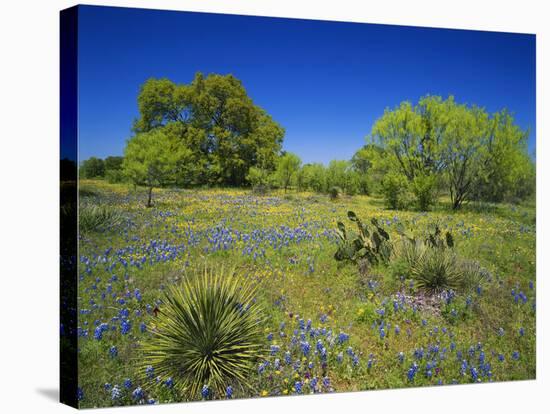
pixel 355 323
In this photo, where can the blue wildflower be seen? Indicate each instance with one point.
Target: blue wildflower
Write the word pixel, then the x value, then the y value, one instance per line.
pixel 116 393
pixel 229 392
pixel 137 394
pixel 113 351
pixel 342 337
pixel 411 373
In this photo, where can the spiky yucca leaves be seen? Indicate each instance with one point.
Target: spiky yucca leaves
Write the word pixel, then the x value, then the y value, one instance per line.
pixel 94 218
pixel 208 332
pixel 437 270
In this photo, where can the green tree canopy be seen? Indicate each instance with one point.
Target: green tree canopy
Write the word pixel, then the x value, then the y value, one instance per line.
pixel 287 168
pixel 477 154
pixel 92 168
pixel 215 118
pixel 153 159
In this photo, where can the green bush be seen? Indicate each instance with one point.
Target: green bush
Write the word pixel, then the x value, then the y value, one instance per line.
pixel 115 176
pixel 208 332
pixel 424 188
pixel 97 218
pixel 395 189
pixel 334 192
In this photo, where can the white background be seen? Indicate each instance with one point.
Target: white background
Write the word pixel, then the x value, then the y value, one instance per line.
pixel 29 154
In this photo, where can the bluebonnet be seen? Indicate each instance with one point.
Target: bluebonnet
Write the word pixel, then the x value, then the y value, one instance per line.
pixel 137 394
pixel 305 347
pixel 128 383
pixel 298 387
pixel 515 355
pixel 270 337
pixel 113 351
pixel 274 349
pixel 143 327
pixel 288 359
pixel 149 371
pixel 79 394
pixel 411 373
pixel 521 331
pixel 169 382
pixel 326 382
pixel 401 357
pixel 205 392
pixel 107 386
pixel 98 333
pixel 229 391
pixel 342 337
pixel 474 374
pixel 313 383
pixel 262 367
pixel 116 393
pixel 125 327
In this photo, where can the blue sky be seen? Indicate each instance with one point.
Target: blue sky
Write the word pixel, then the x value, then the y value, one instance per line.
pixel 324 82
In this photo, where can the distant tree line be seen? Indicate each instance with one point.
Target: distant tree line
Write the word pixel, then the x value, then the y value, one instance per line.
pixel 209 132
pixel 441 147
pixel 109 168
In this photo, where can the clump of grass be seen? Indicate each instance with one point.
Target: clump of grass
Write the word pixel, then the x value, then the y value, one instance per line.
pixel 260 189
pixel 208 333
pixel 96 218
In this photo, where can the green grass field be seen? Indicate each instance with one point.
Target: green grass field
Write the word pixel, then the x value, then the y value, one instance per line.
pixel 330 326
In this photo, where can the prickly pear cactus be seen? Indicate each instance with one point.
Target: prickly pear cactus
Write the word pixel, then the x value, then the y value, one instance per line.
pixel 370 243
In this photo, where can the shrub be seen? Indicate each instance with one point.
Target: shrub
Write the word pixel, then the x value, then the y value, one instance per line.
pixel 260 189
pixel 96 218
pixel 208 332
pixel 114 176
pixel 424 188
pixel 334 192
pixel 395 189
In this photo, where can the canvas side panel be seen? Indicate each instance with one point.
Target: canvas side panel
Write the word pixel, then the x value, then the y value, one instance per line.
pixel 68 206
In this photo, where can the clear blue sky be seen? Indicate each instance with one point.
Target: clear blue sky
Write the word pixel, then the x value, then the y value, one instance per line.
pixel 324 82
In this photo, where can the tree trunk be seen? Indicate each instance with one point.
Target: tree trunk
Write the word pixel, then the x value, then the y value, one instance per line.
pixel 149 197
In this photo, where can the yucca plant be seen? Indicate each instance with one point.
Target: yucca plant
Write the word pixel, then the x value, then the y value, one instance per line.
pixel 94 218
pixel 208 333
pixel 436 270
